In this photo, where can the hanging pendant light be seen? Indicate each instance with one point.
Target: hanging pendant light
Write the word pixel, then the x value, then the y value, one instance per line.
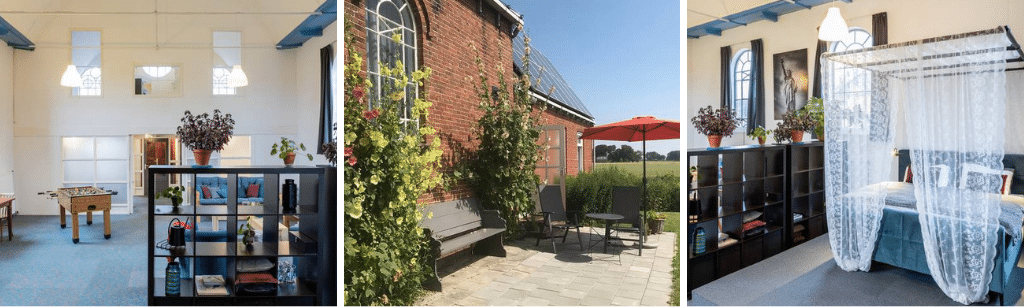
pixel 237 77
pixel 833 28
pixel 71 78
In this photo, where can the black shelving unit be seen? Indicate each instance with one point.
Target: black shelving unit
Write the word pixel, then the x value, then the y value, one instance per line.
pixel 312 248
pixel 732 182
pixel 806 165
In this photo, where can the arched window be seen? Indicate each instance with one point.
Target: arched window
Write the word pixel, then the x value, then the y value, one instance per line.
pixel 384 19
pixel 741 74
pixel 857 81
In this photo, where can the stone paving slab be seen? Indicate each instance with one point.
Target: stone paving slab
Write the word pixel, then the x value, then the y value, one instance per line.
pixel 535 276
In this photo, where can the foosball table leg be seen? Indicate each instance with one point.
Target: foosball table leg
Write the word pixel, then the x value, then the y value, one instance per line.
pixel 74 227
pixel 88 218
pixel 63 219
pixel 106 224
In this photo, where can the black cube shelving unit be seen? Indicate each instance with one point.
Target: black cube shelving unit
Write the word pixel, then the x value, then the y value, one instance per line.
pixel 732 182
pixel 312 248
pixel 806 165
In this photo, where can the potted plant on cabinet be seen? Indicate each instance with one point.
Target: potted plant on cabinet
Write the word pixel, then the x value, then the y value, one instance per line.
pixel 815 110
pixel 781 134
pixel 287 151
pixel 760 134
pixel 715 124
pixel 205 134
pixel 174 193
pixel 797 122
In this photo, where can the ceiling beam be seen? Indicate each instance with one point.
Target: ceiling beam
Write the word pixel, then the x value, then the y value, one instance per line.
pixel 311 27
pixel 770 16
pixel 713 31
pixel 793 2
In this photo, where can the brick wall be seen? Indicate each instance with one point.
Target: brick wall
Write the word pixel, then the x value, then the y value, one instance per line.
pixel 445 30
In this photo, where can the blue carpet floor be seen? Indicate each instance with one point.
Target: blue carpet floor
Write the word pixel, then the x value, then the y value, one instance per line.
pixel 41 266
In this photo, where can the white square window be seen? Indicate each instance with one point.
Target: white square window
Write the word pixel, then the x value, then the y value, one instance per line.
pixel 87 57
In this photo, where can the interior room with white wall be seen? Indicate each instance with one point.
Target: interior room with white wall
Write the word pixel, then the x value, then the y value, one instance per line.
pixel 907 20
pixel 281 100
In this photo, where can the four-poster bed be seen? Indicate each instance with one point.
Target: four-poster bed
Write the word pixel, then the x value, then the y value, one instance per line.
pixel 952 222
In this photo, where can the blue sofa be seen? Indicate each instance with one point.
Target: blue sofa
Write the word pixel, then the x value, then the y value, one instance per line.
pixel 222 184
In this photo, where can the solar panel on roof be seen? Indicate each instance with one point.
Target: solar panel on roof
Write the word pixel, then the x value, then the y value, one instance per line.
pixel 541 67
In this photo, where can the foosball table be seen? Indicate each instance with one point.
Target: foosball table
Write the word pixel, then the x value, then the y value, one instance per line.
pixel 82 199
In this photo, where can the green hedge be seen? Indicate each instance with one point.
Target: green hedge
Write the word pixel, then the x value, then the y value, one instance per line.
pixel 592 192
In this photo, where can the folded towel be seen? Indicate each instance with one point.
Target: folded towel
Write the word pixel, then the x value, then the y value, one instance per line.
pixel 752 224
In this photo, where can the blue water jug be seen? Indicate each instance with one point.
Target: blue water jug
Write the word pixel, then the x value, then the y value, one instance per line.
pixel 173 279
pixel 699 241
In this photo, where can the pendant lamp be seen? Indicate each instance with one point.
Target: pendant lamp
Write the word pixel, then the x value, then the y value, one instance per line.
pixel 71 78
pixel 237 77
pixel 833 28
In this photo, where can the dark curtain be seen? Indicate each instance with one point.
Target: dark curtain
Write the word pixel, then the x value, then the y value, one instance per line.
pixel 880 28
pixel 726 71
pixel 326 114
pixel 816 84
pixel 755 110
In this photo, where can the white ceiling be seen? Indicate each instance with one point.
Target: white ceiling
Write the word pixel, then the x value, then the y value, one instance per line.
pixel 697 11
pixel 273 18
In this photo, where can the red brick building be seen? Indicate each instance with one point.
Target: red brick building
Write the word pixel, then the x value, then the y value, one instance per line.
pixel 441 34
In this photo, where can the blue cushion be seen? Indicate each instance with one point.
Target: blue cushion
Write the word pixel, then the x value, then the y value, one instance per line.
pixel 222 184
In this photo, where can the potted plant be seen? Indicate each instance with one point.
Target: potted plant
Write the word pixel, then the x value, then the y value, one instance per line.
pixel 797 122
pixel 655 222
pixel 815 110
pixel 715 124
pixel 174 193
pixel 760 134
pixel 248 234
pixel 287 151
pixel 781 134
pixel 205 134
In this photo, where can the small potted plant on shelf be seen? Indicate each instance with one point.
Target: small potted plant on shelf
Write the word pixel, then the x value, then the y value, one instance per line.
pixel 760 134
pixel 205 134
pixel 174 193
pixel 287 151
pixel 797 122
pixel 715 124
pixel 815 110
pixel 248 234
pixel 781 134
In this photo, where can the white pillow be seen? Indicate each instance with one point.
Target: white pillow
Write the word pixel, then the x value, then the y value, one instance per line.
pixel 750 216
pixel 1006 176
pixel 213 192
pixel 249 265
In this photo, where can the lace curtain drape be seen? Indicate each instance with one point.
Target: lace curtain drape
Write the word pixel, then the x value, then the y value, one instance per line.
pixel 952 93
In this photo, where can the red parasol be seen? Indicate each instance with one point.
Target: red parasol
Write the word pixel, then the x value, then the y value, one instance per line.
pixel 640 128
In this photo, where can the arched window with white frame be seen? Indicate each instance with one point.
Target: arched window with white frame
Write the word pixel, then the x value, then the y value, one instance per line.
pixel 385 19
pixel 857 81
pixel 741 76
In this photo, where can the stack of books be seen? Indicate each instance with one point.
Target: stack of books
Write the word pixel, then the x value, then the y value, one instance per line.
pixel 211 285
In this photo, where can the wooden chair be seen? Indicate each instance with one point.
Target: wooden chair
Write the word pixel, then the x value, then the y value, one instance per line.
pixel 552 210
pixel 6 214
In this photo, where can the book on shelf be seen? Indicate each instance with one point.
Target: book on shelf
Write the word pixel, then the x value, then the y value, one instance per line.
pixel 211 285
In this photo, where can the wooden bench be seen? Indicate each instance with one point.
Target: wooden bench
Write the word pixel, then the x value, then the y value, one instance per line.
pixel 458 224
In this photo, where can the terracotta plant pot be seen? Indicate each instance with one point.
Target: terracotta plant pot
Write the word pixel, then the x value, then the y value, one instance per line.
pixel 798 135
pixel 760 140
pixel 715 141
pixel 202 156
pixel 289 159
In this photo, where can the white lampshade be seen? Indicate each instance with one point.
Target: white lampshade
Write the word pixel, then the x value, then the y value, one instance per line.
pixel 237 77
pixel 833 28
pixel 71 77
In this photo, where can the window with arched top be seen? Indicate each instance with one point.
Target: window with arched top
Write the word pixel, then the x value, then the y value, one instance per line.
pixel 384 20
pixel 857 81
pixel 741 74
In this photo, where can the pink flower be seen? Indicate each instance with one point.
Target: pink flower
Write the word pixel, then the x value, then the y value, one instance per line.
pixel 358 93
pixel 370 115
pixel 348 151
pixel 352 160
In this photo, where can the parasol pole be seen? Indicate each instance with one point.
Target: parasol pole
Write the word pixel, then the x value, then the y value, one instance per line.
pixel 643 203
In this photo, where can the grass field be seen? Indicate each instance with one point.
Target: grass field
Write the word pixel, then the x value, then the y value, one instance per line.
pixel 654 168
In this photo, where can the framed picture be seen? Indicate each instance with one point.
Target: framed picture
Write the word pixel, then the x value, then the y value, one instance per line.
pixel 790 81
pixel 158 80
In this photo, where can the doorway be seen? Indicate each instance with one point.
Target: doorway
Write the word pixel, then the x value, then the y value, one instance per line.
pixel 154 149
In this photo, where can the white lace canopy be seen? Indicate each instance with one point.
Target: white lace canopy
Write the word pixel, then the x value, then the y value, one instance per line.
pixel 951 95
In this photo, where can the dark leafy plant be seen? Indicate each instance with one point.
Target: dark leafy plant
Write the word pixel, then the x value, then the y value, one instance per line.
pixel 715 122
pixel 173 193
pixel 331 152
pixel 798 120
pixel 206 132
pixel 502 172
pixel 815 109
pixel 388 166
pixel 287 146
pixel 781 134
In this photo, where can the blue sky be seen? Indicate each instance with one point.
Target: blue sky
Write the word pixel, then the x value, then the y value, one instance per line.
pixel 620 57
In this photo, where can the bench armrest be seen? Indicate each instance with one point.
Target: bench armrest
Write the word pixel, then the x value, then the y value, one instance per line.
pixel 491 219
